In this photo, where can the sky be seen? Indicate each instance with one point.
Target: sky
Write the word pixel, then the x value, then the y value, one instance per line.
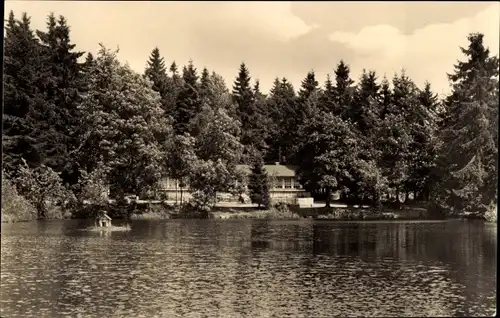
pixel 281 39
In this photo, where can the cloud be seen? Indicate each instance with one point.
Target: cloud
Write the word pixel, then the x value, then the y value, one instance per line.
pixel 427 53
pixel 267 18
pixel 218 35
pixel 272 39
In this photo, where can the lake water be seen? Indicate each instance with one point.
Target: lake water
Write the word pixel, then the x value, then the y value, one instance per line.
pixel 249 268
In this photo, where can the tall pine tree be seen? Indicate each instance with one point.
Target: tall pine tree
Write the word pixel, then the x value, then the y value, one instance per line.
pixel 258 183
pixel 343 90
pixel 282 111
pixel 469 152
pixel 25 72
pixel 65 84
pixel 188 102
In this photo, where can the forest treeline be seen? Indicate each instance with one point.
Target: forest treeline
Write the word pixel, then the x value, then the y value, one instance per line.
pixel 74 123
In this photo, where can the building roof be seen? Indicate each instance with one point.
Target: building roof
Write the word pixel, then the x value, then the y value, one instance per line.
pixel 273 170
pixel 104 216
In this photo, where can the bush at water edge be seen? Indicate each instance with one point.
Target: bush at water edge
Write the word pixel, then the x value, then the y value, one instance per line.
pixel 15 208
pixel 491 213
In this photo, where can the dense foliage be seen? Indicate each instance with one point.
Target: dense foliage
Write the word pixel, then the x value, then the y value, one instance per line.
pixel 14 206
pixel 258 183
pixel 75 126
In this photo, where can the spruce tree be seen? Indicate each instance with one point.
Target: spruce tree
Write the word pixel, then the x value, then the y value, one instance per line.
pixel 469 152
pixel 424 142
pixel 327 98
pixel 63 87
pixel 308 86
pixel 258 183
pixel 188 102
pixel 364 114
pixel 242 92
pixel 205 85
pixel 396 135
pixel 307 106
pixel 364 110
pixel 156 71
pixel 249 114
pixel 385 98
pixel 24 75
pixel 282 111
pixel 243 97
pixel 344 90
pixel 261 129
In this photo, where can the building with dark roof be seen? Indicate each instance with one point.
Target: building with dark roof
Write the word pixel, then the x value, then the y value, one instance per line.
pixel 283 186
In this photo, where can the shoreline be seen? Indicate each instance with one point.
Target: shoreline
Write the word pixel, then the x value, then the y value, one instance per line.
pixel 165 212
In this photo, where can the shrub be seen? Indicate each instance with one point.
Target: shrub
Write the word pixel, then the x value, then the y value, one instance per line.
pixel 43 188
pixel 93 187
pixel 14 206
pixel 491 213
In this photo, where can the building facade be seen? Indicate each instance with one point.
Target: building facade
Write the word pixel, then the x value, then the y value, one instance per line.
pixel 283 185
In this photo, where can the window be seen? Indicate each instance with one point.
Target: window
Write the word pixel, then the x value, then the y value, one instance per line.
pixel 296 184
pixel 170 184
pixel 275 183
pixel 166 185
pixel 288 183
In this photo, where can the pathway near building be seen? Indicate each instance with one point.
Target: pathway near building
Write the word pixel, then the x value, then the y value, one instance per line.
pixel 241 205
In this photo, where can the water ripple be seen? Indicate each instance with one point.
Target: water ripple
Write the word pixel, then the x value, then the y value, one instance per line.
pixel 248 268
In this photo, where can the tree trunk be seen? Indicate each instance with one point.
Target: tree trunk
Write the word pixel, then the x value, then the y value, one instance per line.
pixel 40 207
pixel 176 202
pixel 328 192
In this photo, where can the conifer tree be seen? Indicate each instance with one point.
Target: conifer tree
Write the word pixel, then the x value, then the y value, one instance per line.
pixel 364 110
pixel 249 114
pixel 261 129
pixel 343 90
pixel 188 102
pixel 65 84
pixel 424 142
pixel 282 111
pixel 307 106
pixel 242 92
pixel 89 60
pixel 385 98
pixel 243 97
pixel 258 183
pixel 469 151
pixel 156 72
pixel 205 85
pixel 327 97
pixel 308 86
pixel 24 77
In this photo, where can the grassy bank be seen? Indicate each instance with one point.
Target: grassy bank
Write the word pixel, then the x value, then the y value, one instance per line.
pixel 367 214
pixel 17 209
pixel 330 213
pixel 151 215
pixel 255 214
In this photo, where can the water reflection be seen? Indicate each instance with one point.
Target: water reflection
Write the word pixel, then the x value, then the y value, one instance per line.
pixel 249 268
